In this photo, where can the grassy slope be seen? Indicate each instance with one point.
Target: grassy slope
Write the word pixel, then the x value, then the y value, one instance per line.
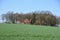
pixel 28 32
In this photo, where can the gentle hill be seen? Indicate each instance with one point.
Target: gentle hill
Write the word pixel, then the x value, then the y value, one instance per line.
pixel 28 32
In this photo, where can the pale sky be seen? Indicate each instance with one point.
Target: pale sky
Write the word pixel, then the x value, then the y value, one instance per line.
pixel 29 6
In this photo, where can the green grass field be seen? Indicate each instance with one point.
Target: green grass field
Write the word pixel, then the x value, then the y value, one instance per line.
pixel 28 32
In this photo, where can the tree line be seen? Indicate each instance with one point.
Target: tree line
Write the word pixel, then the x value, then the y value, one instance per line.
pixel 36 18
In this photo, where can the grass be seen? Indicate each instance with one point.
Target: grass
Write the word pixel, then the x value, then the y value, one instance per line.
pixel 28 32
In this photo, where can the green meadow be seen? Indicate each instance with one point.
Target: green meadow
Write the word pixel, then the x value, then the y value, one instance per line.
pixel 28 32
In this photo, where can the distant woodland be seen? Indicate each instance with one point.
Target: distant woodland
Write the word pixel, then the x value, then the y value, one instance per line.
pixel 34 18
